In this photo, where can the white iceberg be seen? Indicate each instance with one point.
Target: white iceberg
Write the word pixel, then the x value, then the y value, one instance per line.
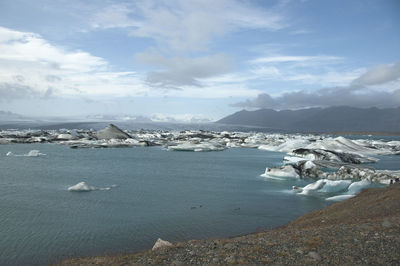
pixel 34 153
pixel 333 186
pixel 81 187
pixel 324 186
pixel 340 197
pixel 287 170
pixel 197 147
pixel 356 187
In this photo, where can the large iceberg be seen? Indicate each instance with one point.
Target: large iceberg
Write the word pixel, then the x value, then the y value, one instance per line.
pixel 325 187
pixel 112 132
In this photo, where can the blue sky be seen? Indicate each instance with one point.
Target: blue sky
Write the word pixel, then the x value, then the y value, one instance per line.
pixel 203 59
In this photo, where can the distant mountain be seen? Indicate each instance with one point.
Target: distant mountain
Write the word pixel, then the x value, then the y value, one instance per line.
pixel 332 119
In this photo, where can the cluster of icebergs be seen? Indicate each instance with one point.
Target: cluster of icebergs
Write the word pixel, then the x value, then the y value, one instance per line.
pixel 308 156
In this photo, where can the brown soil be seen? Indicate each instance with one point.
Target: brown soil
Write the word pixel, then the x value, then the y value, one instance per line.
pixel 364 230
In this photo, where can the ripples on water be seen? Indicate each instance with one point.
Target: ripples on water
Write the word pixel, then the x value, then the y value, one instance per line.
pixel 173 195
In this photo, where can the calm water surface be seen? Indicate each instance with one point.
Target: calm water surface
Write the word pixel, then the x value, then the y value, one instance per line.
pixel 173 195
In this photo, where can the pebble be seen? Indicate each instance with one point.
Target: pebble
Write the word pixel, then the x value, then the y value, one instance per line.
pixel 177 263
pixel 314 255
pixel 230 259
pixel 386 223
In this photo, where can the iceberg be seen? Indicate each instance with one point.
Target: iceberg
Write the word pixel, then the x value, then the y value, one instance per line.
pixel 356 187
pixel 311 187
pixel 333 186
pixel 81 187
pixel 284 171
pixel 339 197
pixel 197 147
pixel 324 186
pixel 34 153
pixel 112 132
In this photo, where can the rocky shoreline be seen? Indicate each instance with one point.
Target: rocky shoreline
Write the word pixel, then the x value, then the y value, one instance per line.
pixel 364 230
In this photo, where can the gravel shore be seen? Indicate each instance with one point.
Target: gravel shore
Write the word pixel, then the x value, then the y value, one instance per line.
pixel 364 230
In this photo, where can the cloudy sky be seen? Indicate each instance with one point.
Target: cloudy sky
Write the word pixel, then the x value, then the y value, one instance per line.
pixel 203 58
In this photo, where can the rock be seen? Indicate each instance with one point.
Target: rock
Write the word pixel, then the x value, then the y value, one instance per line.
pixel 314 255
pixel 230 259
pixel 112 132
pixel 215 260
pixel 177 263
pixel 161 244
pixel 386 223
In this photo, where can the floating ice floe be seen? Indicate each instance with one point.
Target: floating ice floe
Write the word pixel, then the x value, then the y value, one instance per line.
pixel 346 188
pixel 340 197
pixel 283 171
pixel 197 147
pixel 83 187
pixel 32 153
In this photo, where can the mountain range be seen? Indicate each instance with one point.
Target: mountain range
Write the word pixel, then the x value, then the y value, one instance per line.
pixel 331 119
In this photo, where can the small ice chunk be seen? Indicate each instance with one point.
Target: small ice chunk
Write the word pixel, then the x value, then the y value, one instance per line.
pixel 34 153
pixel 284 171
pixel 81 187
pixel 339 197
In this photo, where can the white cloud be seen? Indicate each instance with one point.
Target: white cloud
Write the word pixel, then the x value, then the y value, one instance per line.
pixel 294 59
pixel 359 92
pixel 114 16
pixel 183 25
pixel 31 66
pixel 181 71
pixel 379 75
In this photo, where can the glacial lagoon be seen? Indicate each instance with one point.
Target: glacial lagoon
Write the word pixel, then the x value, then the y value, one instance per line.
pixel 138 195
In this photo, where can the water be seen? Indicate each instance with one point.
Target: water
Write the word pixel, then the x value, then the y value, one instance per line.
pixel 173 195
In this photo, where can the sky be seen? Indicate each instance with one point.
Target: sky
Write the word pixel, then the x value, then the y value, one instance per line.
pixel 202 59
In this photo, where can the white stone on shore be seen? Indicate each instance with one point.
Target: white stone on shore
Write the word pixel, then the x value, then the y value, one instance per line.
pixel 161 244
